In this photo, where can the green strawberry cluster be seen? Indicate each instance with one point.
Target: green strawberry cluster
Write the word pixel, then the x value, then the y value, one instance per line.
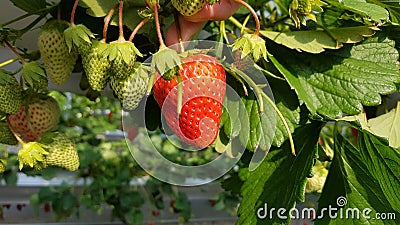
pixel 115 63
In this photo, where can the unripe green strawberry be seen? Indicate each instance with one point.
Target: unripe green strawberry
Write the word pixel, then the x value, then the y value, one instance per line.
pixel 2 168
pixel 57 58
pixel 40 116
pixel 123 55
pixel 3 160
pixel 188 7
pixel 63 153
pixel 130 90
pixel 211 2
pixel 6 136
pixel 97 66
pixel 10 94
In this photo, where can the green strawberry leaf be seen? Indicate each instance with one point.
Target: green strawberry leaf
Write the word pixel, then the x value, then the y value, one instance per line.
pixel 366 177
pixel 280 180
pixel 98 8
pixel 30 6
pixel 392 6
pixel 6 77
pixel 338 82
pixel 32 71
pixel 372 11
pixel 261 129
pixel 287 102
pixel 316 41
pixel 387 126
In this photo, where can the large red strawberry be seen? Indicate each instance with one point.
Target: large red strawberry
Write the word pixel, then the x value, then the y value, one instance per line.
pixel 203 90
pixel 40 115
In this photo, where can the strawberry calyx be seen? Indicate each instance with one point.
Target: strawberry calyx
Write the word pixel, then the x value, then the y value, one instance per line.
pixel 251 45
pixel 299 10
pixel 32 154
pixel 79 37
pixel 165 59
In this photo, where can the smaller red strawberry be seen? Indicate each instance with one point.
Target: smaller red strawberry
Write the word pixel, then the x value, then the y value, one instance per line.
pixel 35 118
pixel 203 90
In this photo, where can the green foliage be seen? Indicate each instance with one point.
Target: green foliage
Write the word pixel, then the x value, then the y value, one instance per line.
pixel 367 176
pixel 279 173
pixel 30 6
pixel 333 83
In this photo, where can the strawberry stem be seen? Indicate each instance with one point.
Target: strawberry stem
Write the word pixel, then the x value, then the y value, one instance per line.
pixel 58 12
pixel 150 85
pixel 178 31
pixel 158 28
pixel 238 24
pixel 20 58
pixel 255 16
pixel 222 31
pixel 180 91
pixel 266 97
pixel 14 133
pixel 138 27
pixel 72 19
pixel 107 20
pixel 120 24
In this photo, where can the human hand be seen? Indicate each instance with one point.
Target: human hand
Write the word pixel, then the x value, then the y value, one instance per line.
pixel 190 25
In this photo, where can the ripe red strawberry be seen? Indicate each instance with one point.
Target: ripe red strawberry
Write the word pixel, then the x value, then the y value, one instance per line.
pixel 31 123
pixel 203 91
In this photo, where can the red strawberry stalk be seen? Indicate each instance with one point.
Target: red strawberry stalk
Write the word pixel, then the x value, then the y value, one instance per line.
pixel 107 20
pixel 20 58
pixel 120 24
pixel 251 45
pixel 255 16
pixel 74 7
pixel 138 27
pixel 158 27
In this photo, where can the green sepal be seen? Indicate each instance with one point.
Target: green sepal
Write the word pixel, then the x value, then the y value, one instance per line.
pixel 6 77
pixel 32 154
pixel 164 60
pixel 79 36
pixel 251 45
pixel 32 72
pixel 125 49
